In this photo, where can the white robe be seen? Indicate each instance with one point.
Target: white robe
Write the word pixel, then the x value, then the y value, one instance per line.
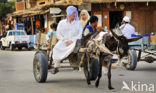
pixel 66 31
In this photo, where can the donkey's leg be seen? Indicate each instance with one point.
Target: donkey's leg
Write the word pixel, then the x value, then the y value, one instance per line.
pixel 86 69
pixel 101 60
pixel 87 76
pixel 99 75
pixel 86 72
pixel 88 80
pixel 109 75
pixel 118 62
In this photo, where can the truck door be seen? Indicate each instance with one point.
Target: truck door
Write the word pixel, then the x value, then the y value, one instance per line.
pixel 8 38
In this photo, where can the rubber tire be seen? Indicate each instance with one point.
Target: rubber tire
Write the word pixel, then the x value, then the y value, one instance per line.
pixel 2 47
pixel 45 53
pixel 94 66
pixel 11 47
pixel 134 60
pixel 19 48
pixel 43 63
pixel 27 47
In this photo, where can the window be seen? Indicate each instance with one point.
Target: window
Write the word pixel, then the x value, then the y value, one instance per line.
pixel 22 33
pixel 17 33
pixel 10 33
pixel 13 33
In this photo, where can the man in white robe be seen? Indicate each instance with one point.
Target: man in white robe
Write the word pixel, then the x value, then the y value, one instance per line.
pixel 68 32
pixel 127 29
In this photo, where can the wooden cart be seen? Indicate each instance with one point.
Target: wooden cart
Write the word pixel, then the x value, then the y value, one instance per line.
pixel 43 60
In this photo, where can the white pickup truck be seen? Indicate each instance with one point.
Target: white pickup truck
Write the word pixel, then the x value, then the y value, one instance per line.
pixel 13 39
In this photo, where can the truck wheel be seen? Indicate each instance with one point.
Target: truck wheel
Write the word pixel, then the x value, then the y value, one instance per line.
pixel 11 47
pixel 132 61
pixel 2 47
pixel 40 67
pixel 19 48
pixel 27 47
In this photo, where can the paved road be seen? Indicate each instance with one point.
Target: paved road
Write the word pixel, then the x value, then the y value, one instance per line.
pixel 16 77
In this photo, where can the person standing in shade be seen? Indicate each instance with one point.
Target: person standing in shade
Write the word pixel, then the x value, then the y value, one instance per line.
pixel 52 31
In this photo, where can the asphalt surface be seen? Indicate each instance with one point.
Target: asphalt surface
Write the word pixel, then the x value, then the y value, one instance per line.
pixel 16 76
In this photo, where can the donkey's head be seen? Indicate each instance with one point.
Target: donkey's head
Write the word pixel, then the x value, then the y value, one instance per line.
pixel 122 44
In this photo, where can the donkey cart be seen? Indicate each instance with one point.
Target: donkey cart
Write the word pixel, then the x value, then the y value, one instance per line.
pixel 43 61
pixel 146 45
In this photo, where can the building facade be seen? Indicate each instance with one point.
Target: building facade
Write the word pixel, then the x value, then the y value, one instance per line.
pixel 110 12
pixel 37 14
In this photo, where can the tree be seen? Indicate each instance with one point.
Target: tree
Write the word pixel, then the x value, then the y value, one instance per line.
pixel 3 1
pixel 5 8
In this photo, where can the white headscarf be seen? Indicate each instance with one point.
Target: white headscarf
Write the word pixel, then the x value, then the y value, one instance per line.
pixel 70 10
pixel 88 17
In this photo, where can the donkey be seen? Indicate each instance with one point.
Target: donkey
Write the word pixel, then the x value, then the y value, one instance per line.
pixel 107 44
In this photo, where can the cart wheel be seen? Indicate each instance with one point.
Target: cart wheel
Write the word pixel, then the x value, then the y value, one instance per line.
pixel 40 67
pixel 132 60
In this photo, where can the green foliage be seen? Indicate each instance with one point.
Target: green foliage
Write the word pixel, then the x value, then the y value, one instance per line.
pixel 3 1
pixel 6 7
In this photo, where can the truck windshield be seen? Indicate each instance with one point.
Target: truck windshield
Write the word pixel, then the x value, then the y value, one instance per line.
pixel 18 33
pixel 22 33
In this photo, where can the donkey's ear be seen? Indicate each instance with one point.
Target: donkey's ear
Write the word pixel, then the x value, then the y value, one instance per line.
pixel 115 35
pixel 134 39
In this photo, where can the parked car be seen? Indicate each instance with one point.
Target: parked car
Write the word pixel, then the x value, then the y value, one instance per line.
pixel 13 39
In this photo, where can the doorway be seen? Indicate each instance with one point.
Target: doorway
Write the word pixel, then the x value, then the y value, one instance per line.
pixel 115 18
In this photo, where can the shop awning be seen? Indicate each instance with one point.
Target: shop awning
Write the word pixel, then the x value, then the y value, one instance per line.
pixel 31 11
pixel 54 16
pixel 71 2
